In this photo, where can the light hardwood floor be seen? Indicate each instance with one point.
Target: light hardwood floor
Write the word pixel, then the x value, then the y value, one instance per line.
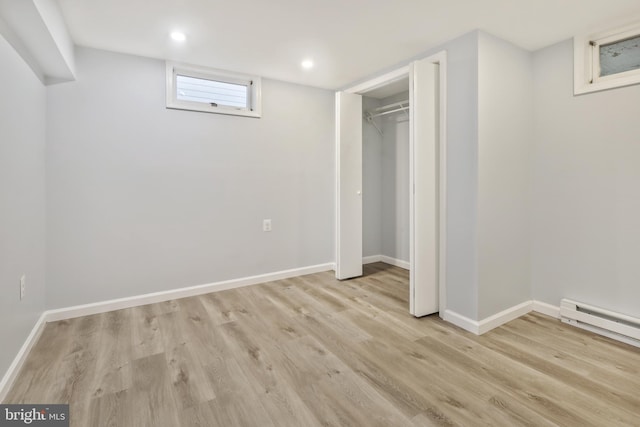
pixel 313 351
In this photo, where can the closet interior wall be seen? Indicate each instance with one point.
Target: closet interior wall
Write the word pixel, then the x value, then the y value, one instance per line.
pixel 395 182
pixel 371 181
pixel 386 181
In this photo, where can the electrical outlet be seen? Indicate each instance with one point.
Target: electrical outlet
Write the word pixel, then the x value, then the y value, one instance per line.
pixel 266 225
pixel 23 286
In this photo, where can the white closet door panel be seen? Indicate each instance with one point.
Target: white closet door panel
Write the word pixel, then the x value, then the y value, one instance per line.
pixel 424 197
pixel 348 185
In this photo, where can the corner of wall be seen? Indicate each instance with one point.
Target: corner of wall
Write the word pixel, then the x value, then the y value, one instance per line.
pixel 505 127
pixel 22 205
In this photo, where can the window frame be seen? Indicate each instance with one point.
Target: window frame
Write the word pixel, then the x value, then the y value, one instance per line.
pixel 587 61
pixel 253 83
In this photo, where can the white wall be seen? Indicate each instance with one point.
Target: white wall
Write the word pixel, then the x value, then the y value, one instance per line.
pixel 371 182
pixel 505 136
pixel 22 201
pixel 395 183
pixel 462 173
pixel 144 199
pixel 585 195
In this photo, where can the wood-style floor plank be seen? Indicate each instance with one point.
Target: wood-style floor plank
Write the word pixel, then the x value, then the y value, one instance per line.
pixel 314 351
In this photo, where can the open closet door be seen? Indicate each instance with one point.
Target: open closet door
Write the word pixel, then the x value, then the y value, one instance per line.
pixel 348 185
pixel 423 150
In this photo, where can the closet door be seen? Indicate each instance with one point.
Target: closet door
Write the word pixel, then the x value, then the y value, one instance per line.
pixel 348 185
pixel 424 182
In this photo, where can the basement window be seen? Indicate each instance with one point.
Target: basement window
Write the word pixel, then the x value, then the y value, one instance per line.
pixel 607 60
pixel 212 91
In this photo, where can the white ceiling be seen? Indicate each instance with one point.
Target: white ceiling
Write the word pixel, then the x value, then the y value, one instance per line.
pixel 347 39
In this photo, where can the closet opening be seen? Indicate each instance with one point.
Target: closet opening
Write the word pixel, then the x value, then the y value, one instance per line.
pixel 390 178
pixel 385 177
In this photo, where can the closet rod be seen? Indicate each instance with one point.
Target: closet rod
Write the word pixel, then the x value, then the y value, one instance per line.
pixel 384 110
pixel 388 112
pixel 395 104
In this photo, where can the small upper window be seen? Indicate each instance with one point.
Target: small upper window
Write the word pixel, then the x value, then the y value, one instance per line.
pixel 607 60
pixel 617 56
pixel 212 91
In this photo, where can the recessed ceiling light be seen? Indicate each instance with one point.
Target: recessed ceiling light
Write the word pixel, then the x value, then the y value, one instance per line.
pixel 307 64
pixel 178 36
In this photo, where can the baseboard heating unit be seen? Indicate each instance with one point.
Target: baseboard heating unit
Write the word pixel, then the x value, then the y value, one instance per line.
pixel 601 321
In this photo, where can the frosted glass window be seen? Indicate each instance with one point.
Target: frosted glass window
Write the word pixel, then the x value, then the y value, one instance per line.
pixel 620 56
pixel 606 59
pixel 211 92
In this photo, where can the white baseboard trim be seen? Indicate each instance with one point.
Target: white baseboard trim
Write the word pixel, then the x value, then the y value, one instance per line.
pixel 479 327
pixel 544 308
pixel 498 319
pixel 394 261
pixel 134 301
pixel 18 361
pixel 387 260
pixel 461 321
